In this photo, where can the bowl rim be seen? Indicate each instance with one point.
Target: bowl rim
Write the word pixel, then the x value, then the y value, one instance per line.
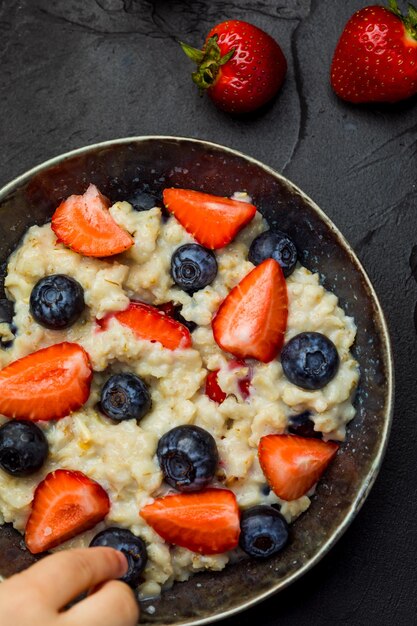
pixel 369 480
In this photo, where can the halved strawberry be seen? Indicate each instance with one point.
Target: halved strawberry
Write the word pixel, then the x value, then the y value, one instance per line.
pixel 212 220
pixel 206 522
pixel 65 504
pixel 292 464
pixel 147 322
pixel 84 224
pixel 251 321
pixel 47 384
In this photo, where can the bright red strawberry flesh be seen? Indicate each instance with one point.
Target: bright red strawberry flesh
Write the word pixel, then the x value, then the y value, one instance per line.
pixel 212 220
pixel 213 389
pixel 151 324
pixel 252 320
pixel 46 385
pixel 65 504
pixel 206 522
pixel 84 224
pixel 216 393
pixel 292 464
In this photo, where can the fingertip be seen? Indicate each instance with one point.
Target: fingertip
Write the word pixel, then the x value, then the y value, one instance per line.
pixel 113 604
pixel 127 604
pixel 119 560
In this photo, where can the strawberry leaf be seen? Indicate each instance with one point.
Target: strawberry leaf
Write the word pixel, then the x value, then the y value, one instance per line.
pixel 203 78
pixel 208 60
pixel 192 53
pixel 409 21
pixel 412 16
pixel 227 57
pixel 393 5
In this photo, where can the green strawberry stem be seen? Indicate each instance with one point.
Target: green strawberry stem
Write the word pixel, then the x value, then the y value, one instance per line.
pixel 208 60
pixel 409 20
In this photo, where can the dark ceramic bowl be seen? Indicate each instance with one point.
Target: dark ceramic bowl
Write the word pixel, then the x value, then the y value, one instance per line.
pixel 124 167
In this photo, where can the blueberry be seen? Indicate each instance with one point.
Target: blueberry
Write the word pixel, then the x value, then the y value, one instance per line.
pixel 6 310
pixel 276 245
pixel 125 397
pixel 188 457
pixel 265 490
pixel 57 301
pixel 303 426
pixel 264 531
pixel 23 448
pixel 310 360
pixel 6 344
pixel 193 267
pixel 174 311
pixel 144 201
pixel 133 548
pixel 187 323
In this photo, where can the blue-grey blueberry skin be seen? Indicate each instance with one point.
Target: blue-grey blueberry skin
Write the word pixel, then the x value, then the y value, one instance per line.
pixel 133 547
pixel 57 301
pixel 193 267
pixel 310 360
pixel 274 245
pixel 188 458
pixel 23 448
pixel 303 426
pixel 264 531
pixel 144 200
pixel 124 397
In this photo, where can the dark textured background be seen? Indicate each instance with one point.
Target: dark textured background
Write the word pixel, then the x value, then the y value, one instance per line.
pixel 74 72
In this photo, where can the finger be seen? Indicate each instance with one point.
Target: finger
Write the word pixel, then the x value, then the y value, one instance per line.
pixel 113 605
pixel 62 576
pixel 15 609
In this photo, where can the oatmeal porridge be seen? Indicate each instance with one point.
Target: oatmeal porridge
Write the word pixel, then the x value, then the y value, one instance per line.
pixel 236 399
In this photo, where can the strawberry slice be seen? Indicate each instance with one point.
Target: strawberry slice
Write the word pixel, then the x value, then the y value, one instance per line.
pixel 168 308
pixel 292 464
pixel 212 220
pixel 213 389
pixel 243 383
pixel 251 321
pixel 84 224
pixel 216 393
pixel 65 504
pixel 47 384
pixel 174 311
pixel 148 322
pixel 206 522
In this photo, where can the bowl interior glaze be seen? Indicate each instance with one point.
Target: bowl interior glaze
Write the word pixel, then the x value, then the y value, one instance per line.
pixel 124 167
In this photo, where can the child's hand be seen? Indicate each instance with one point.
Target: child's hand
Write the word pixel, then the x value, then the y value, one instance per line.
pixel 38 595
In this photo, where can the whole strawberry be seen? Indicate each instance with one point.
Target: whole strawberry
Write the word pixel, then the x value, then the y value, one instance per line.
pixel 240 66
pixel 376 57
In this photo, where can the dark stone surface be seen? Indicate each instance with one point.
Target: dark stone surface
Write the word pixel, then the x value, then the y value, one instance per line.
pixel 73 73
